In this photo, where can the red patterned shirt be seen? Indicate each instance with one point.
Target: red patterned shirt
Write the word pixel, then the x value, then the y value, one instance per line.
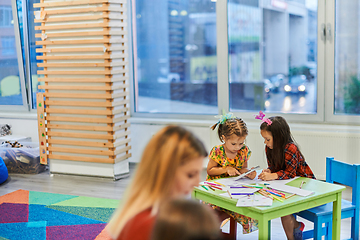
pixel 295 165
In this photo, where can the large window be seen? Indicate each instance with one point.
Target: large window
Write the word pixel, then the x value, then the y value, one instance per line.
pixel 195 58
pixel 273 56
pixel 175 60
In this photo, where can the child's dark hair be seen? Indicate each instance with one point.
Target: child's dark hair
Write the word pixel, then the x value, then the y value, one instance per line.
pixel 281 134
pixel 231 126
pixel 182 219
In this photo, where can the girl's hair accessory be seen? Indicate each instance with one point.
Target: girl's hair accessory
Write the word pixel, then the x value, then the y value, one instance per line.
pixel 225 117
pixel 262 117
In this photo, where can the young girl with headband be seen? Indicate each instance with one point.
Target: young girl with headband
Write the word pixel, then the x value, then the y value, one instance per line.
pixel 285 161
pixel 231 159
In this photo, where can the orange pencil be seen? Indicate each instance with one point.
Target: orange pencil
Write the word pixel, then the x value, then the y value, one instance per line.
pixel 266 194
pixel 229 193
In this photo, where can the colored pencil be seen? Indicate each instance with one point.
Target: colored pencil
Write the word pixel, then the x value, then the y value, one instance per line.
pixel 302 184
pixel 277 198
pixel 229 193
pixel 266 195
pixel 253 186
pixel 216 187
pixel 290 196
pixel 242 193
pixel 220 184
pixel 213 184
pixel 273 193
pixel 276 193
pixel 205 187
pixel 211 187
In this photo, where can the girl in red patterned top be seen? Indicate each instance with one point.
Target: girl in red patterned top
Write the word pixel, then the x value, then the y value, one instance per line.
pixel 285 161
pixel 230 159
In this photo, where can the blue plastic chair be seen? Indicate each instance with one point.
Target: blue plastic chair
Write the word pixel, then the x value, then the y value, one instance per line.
pixel 346 174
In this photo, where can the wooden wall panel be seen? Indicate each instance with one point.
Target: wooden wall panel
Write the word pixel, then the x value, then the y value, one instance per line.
pixel 83 63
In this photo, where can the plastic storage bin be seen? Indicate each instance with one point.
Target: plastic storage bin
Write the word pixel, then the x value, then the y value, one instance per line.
pixel 25 159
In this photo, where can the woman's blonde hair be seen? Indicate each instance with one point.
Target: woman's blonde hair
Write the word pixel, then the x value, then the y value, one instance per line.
pixel 168 149
pixel 182 219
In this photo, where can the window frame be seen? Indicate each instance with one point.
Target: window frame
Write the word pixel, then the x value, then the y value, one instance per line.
pixel 25 106
pixel 330 117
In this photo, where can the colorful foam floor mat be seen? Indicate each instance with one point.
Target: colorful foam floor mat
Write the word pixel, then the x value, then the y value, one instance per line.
pixel 40 215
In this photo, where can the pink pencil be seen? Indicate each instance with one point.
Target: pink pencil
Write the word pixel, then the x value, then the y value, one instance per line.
pixel 214 184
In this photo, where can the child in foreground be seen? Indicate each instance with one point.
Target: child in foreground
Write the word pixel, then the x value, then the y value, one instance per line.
pixel 231 159
pixel 285 161
pixel 182 219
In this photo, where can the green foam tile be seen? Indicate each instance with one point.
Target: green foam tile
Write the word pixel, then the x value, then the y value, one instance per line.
pixel 90 202
pixel 43 198
pixel 100 214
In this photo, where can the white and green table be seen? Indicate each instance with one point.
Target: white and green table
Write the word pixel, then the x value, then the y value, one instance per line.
pixel 323 193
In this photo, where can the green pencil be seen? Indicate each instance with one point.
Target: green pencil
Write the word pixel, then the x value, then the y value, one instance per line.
pixel 205 188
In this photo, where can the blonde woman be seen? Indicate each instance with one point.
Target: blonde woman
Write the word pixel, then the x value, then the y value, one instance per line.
pixel 170 167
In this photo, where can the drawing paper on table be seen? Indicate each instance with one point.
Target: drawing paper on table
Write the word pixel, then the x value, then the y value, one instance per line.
pixel 290 189
pixel 254 201
pixel 233 196
pixel 243 190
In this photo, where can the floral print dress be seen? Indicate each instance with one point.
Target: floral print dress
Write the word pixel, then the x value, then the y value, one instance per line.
pixel 218 155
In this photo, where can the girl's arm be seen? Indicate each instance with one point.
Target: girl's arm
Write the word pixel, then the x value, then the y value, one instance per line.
pixel 266 175
pixel 244 169
pixel 214 170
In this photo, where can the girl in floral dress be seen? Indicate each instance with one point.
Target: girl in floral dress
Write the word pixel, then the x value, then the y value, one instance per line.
pixel 230 159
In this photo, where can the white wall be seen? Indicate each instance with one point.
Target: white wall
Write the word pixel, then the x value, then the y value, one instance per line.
pixel 27 127
pixel 316 141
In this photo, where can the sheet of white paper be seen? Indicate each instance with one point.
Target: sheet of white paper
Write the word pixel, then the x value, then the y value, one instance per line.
pixel 245 201
pixel 290 189
pixel 233 196
pixel 284 181
pixel 243 190
pixel 239 190
pixel 260 200
pixel 253 201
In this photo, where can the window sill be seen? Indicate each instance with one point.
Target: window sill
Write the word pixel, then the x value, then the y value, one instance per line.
pixel 19 115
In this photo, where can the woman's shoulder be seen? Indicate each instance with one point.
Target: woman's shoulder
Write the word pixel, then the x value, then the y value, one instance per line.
pixel 139 227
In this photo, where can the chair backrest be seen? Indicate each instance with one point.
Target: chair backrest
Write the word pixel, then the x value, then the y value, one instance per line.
pixel 346 174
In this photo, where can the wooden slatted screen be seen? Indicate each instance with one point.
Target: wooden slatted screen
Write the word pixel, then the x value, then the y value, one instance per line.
pixel 83 67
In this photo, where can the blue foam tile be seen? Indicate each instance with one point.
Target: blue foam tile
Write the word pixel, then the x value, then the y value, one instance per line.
pixel 20 231
pixel 56 218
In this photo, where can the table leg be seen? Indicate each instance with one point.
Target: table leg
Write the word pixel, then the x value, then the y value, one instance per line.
pixel 264 229
pixel 233 229
pixel 336 223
